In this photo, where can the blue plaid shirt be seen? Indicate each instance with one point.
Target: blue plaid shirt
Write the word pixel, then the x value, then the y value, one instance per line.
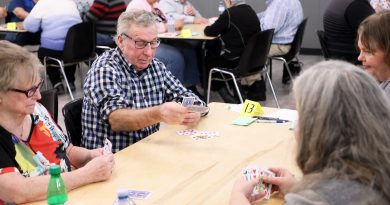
pixel 113 84
pixel 284 16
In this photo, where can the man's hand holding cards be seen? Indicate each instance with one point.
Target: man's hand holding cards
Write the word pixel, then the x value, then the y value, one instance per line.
pixel 188 102
pixel 256 172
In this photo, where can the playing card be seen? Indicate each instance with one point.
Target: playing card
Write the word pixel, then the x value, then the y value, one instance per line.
pixel 204 135
pixel 136 194
pixel 255 172
pixel 107 149
pixel 187 101
pixel 187 132
pixel 198 108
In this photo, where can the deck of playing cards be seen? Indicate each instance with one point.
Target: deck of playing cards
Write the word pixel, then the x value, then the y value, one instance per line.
pixel 107 149
pixel 188 102
pixel 256 172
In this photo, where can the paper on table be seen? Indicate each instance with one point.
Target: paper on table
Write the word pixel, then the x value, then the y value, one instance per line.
pixel 284 114
pixel 235 107
pixel 244 121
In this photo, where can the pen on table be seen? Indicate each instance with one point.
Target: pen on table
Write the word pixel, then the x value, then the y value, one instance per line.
pixel 270 120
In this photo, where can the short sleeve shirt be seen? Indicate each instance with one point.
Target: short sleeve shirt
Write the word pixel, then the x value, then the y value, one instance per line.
pixel 45 145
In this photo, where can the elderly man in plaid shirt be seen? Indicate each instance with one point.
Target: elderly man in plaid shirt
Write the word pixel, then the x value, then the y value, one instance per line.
pixel 128 92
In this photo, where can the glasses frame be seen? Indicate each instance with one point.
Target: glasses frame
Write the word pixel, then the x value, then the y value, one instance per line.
pixel 144 43
pixel 30 92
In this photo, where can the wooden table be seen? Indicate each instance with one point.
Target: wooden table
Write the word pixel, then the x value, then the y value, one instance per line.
pixel 178 170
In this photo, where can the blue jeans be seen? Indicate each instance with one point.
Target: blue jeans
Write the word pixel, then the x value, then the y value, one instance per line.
pixel 191 51
pixel 172 59
pixel 103 39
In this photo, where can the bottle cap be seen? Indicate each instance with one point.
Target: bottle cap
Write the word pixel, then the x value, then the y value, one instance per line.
pixel 123 193
pixel 54 169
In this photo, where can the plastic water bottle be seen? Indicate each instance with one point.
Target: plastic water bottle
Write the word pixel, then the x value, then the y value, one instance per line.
pixel 56 192
pixel 171 24
pixel 123 198
pixel 221 7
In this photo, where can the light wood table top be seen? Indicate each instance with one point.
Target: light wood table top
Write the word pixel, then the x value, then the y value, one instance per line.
pixel 178 170
pixel 197 33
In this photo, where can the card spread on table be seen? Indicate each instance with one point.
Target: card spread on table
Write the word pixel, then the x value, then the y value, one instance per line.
pixel 255 172
pixel 198 134
pixel 107 149
pixel 137 194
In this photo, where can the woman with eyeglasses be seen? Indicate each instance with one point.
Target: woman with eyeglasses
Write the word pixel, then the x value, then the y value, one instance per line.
pixel 30 141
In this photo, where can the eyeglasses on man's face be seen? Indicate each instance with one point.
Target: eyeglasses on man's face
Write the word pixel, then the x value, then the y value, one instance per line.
pixel 142 44
pixel 30 92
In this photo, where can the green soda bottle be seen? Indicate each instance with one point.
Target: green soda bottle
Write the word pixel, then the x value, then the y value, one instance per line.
pixel 56 192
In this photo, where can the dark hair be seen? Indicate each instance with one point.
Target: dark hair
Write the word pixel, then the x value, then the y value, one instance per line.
pixel 374 33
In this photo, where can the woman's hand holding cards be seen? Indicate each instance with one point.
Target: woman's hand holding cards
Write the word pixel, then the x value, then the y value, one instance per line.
pixel 242 189
pixel 282 181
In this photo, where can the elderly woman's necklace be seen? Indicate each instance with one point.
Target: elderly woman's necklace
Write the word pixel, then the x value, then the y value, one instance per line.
pixel 22 129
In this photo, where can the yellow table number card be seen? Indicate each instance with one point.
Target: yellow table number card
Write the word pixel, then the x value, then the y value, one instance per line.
pixel 251 109
pixel 11 26
pixel 185 33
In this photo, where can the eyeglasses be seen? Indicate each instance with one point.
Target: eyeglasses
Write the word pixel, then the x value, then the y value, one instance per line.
pixel 30 92
pixel 142 44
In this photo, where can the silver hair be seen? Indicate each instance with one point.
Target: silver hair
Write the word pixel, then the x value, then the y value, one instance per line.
pixel 134 17
pixel 343 125
pixel 16 61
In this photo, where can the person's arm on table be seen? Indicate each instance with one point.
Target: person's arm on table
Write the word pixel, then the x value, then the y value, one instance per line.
pixel 80 156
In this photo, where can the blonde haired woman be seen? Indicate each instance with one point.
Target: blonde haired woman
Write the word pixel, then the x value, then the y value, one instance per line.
pixel 30 141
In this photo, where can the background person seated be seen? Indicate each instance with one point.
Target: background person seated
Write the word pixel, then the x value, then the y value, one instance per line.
pixel 28 132
pixel 104 14
pixel 284 16
pixel 54 18
pixel 234 26
pixel 341 21
pixel 191 49
pixel 343 141
pixel 380 5
pixel 182 9
pixel 18 10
